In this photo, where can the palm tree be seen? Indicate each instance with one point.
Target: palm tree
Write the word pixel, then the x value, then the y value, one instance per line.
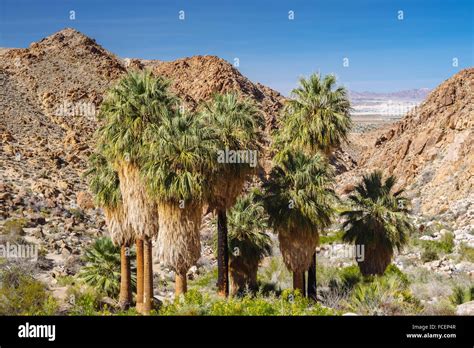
pixel 248 242
pixel 104 184
pixel 238 126
pixel 128 110
pixel 378 221
pixel 103 266
pixel 178 154
pixel 316 119
pixel 299 201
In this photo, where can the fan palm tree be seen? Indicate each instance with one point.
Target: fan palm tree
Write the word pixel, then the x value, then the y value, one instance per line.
pixel 177 157
pixel 238 126
pixel 378 221
pixel 299 201
pixel 317 118
pixel 128 110
pixel 248 243
pixel 104 184
pixel 103 268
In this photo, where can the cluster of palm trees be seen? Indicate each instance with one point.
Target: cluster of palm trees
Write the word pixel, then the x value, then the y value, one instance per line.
pixel 155 173
pixel 298 194
pixel 155 169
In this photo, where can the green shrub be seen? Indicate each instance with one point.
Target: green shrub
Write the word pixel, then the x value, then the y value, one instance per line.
pixel 21 294
pixel 12 230
pixel 77 213
pixel 446 242
pixel 386 295
pixel 462 294
pixel 443 307
pixel 393 270
pixel 14 226
pixel 275 275
pixel 207 280
pixel 466 253
pixel 429 254
pixel 346 278
pixel 289 303
pixel 433 249
pixel 331 238
pixel 84 300
pixel 66 280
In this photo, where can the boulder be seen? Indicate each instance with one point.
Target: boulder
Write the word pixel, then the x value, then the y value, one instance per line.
pixel 465 308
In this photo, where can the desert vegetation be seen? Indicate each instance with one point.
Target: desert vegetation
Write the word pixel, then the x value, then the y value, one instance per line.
pixel 159 176
pixel 156 173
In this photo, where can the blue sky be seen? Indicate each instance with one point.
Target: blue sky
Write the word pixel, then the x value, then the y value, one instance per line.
pixel 384 53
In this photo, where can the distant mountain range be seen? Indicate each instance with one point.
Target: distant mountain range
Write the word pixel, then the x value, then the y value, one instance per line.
pixel 411 94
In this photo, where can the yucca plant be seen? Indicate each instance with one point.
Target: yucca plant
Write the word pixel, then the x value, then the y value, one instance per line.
pixel 237 124
pixel 299 200
pixel 377 219
pixel 248 242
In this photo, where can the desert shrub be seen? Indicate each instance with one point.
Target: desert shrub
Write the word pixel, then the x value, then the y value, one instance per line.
pixel 443 307
pixel 12 230
pixel 393 270
pixel 444 245
pixel 77 213
pixel 429 254
pixel 21 294
pixel 462 294
pixel 466 253
pixel 207 280
pixel 331 238
pixel 66 280
pixel 275 275
pixel 346 278
pixel 386 295
pixel 289 303
pixel 428 285
pixel 446 242
pixel 84 300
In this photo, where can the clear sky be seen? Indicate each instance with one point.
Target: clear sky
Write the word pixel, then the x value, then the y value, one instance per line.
pixel 384 51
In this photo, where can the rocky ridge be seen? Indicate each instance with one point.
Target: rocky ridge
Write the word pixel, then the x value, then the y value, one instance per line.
pixel 430 152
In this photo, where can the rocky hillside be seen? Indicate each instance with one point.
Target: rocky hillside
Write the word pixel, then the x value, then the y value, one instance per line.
pixel 50 93
pixel 430 151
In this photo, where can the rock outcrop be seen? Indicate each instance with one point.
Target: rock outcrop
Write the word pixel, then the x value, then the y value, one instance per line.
pixel 430 151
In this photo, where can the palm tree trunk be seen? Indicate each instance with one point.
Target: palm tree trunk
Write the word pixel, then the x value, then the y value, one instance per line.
pixel 298 281
pixel 139 244
pixel 312 290
pixel 181 284
pixel 222 255
pixel 147 275
pixel 125 297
